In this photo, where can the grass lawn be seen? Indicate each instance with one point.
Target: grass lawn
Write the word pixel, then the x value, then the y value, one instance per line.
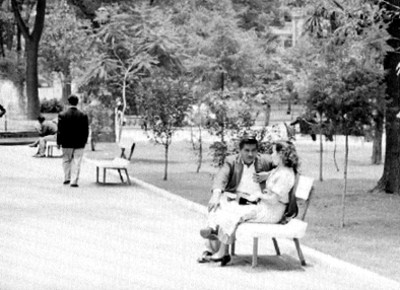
pixel 370 237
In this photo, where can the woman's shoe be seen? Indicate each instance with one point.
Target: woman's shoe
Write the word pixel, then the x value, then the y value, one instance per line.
pixel 224 260
pixel 205 257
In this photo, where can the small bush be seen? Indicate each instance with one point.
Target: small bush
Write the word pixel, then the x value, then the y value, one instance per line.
pixel 51 106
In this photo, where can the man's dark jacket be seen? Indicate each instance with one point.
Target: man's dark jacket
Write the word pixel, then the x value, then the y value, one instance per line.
pixel 73 129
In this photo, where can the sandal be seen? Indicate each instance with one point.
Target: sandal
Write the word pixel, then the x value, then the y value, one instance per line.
pixel 205 257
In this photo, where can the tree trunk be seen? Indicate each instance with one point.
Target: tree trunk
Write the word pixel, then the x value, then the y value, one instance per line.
pixel 267 114
pixel 377 142
pixel 200 158
pixel 166 146
pixel 66 90
pixel 390 180
pixel 2 52
pixel 321 151
pixel 32 83
pixel 31 49
pixel 19 43
pixel 346 158
pixel 289 108
pixel 66 80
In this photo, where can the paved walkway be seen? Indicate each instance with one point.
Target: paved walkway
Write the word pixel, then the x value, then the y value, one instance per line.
pixel 129 237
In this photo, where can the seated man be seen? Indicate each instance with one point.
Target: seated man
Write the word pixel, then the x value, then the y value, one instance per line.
pixel 239 182
pixel 47 132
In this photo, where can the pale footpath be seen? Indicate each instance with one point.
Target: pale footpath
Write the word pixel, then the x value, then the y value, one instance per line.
pixel 97 237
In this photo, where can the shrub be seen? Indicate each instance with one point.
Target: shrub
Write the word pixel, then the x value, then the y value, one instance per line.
pixel 51 106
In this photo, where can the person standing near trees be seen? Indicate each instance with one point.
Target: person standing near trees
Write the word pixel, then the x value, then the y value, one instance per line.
pixel 72 136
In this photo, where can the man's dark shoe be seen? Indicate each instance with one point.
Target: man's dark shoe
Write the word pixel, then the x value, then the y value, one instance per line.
pixel 66 182
pixel 74 185
pixel 209 233
pixel 37 155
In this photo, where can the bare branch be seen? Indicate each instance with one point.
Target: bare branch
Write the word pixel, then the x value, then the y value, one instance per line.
pixel 21 24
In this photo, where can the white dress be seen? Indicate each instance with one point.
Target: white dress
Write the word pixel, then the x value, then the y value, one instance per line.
pixel 230 214
pixel 279 182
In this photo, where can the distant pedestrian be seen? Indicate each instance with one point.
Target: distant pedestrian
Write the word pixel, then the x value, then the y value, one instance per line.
pixel 72 135
pixel 47 132
pixel 2 111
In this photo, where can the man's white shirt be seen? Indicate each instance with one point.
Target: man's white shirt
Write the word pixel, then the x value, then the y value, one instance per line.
pixel 247 184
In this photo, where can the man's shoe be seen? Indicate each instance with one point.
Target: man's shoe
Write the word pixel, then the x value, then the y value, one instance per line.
pixel 32 145
pixel 74 185
pixel 209 233
pixel 66 182
pixel 37 155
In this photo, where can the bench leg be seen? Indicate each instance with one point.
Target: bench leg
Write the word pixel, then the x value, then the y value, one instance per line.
pixel 255 250
pixel 299 252
pixel 97 174
pixel 278 252
pixel 127 176
pixel 233 249
pixel 120 175
pixel 104 175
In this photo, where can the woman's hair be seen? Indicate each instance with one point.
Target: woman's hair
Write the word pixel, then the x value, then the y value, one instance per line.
pixel 288 153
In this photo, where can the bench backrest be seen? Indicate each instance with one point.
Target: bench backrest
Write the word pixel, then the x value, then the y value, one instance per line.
pixel 130 154
pixel 303 190
pixel 304 186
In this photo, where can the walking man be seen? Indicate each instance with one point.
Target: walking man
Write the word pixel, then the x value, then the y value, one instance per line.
pixel 72 135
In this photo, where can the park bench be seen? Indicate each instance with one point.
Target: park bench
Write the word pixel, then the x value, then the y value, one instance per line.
pixel 295 229
pixel 50 147
pixel 120 164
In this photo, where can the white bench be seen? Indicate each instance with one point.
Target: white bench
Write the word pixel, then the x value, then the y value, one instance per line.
pixel 120 164
pixel 50 147
pixel 295 229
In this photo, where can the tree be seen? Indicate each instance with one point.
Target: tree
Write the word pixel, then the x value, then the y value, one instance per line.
pixel 129 45
pixel 166 103
pixel 197 118
pixel 7 28
pixel 353 30
pixel 226 61
pixel 64 44
pixel 352 109
pixel 322 88
pixel 32 39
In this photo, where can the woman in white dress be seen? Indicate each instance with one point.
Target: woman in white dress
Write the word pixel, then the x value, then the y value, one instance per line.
pixel 271 203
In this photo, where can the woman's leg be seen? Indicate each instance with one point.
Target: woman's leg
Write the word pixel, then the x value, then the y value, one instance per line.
pixel 222 251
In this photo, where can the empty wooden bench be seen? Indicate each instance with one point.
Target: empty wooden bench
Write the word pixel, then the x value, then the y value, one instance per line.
pixel 50 147
pixel 119 164
pixel 295 229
